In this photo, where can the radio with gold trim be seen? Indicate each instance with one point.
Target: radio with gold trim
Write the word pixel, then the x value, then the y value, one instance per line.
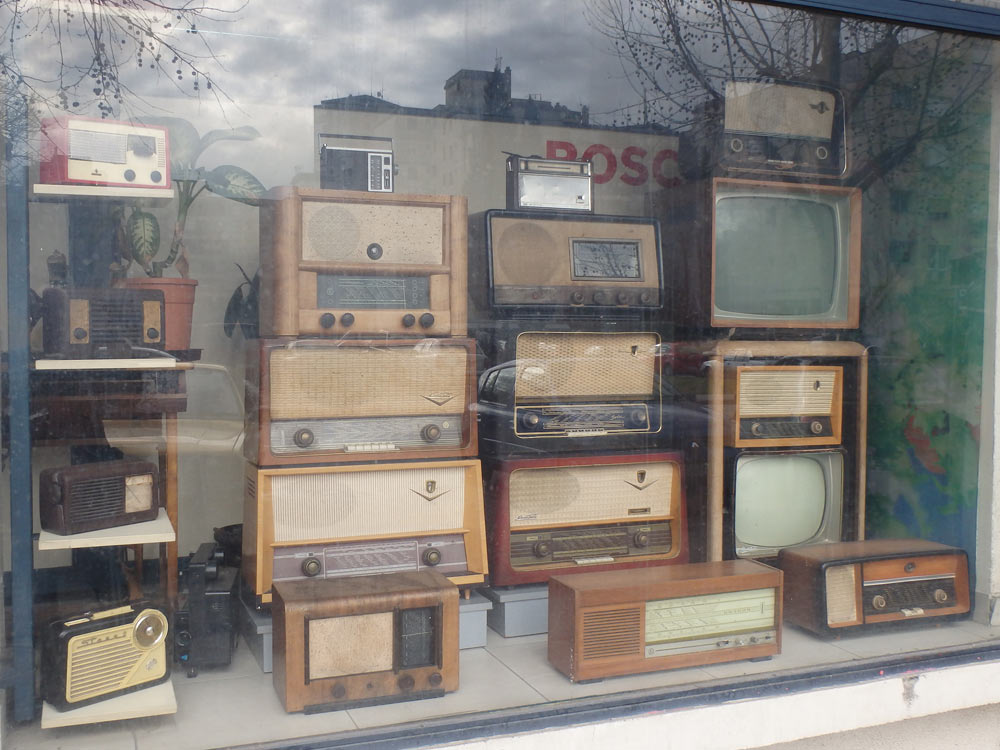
pixel 337 262
pixel 350 520
pixel 853 586
pixel 85 323
pixel 572 391
pixel 87 497
pixel 96 655
pixel 630 621
pixel 315 400
pixel 363 641
pixel 562 515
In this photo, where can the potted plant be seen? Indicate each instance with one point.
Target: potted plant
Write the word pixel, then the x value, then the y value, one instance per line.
pixel 139 231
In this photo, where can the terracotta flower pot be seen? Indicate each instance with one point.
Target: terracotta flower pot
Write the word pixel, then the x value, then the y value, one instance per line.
pixel 178 296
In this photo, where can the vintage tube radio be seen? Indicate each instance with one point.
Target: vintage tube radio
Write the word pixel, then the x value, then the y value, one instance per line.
pixel 364 641
pixel 572 391
pixel 87 497
pixel 629 621
pixel 350 520
pixel 336 262
pixel 548 516
pixel 549 184
pixel 97 655
pixel 588 265
pixel 832 589
pixel 82 151
pixel 85 323
pixel 317 400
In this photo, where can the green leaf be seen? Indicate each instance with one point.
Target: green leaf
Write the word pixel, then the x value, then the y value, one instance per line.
pixel 234 183
pixel 143 233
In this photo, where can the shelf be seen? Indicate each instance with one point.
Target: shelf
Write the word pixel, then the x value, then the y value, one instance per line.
pixel 100 191
pixel 155 701
pixel 146 363
pixel 148 532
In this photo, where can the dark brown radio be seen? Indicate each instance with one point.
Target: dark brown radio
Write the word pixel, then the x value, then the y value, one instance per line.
pixel 86 497
pixel 97 655
pixel 316 400
pixel 337 262
pixel 85 323
pixel 851 586
pixel 363 641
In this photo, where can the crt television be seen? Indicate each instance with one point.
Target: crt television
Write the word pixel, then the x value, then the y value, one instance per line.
pixel 785 255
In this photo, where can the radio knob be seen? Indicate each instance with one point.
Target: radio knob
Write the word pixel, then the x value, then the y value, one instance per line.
pixel 756 429
pixel 129 175
pixel 426 320
pixel 600 298
pixel 152 333
pixel 909 567
pixel 816 427
pixel 430 433
pixel 347 320
pixel 640 539
pixel 434 679
pixel 339 691
pixel 409 320
pixel 645 298
pixel 79 333
pixel 736 145
pixel 638 416
pixel 878 601
pixel 940 596
pixel 311 567
pixel 431 556
pixel 304 437
pixel 542 549
pixel 622 298
pixel 327 320
pixel 155 175
pixel 406 683
pixel 374 251
pixel 531 419
pixel 822 153
pixel 576 298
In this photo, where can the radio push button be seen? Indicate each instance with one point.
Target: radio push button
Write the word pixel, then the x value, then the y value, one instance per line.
pixel 327 320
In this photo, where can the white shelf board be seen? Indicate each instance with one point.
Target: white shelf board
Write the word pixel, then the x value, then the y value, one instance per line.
pixel 145 363
pixel 148 532
pixel 103 191
pixel 154 701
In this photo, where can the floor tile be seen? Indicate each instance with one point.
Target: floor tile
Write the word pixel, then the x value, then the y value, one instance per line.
pixel 116 736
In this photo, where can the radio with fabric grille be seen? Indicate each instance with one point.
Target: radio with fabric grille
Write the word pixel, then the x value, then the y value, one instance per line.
pixel 350 520
pixel 87 497
pixel 84 323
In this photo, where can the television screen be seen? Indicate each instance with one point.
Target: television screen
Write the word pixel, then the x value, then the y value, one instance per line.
pixel 787 499
pixel 784 255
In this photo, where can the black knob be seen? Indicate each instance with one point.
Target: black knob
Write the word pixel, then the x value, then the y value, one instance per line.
pixel 910 567
pixel 374 251
pixel 431 556
pixel 79 333
pixel 327 320
pixel 531 419
pixel 816 427
pixel 129 175
pixel 600 298
pixel 576 298
pixel 152 333
pixel 640 539
pixel 430 433
pixel 434 679
pixel 155 175
pixel 542 549
pixel 879 601
pixel 622 298
pixel 426 320
pixel 304 437
pixel 311 567
pixel 338 691
pixel 409 320
pixel 638 416
pixel 347 320
pixel 406 683
pixel 645 298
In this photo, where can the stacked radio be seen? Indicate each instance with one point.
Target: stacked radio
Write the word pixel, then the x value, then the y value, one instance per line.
pixel 361 436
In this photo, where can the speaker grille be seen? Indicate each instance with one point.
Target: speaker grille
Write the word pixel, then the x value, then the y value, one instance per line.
pixel 368 503
pixel 525 246
pixel 358 644
pixel 841 594
pixel 611 632
pixel 116 318
pixel 96 499
pixel 343 232
pixel 775 393
pixel 353 381
pixel 601 492
pixel 585 365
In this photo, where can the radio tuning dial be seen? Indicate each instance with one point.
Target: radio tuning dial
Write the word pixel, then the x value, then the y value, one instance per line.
pixel 409 320
pixel 311 567
pixel 430 433
pixel 600 298
pixel 434 679
pixel 622 298
pixel 347 320
pixel 304 437
pixel 542 549
pixel 426 320
pixel 339 691
pixel 576 298
pixel 645 298
pixel 374 251
pixel 327 320
pixel 816 427
pixel 640 539
pixel 878 601
pixel 940 596
pixel 406 683
pixel 431 556
pixel 79 333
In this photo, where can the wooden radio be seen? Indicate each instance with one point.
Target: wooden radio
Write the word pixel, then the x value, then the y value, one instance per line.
pixel 851 586
pixel 630 621
pixel 548 516
pixel 87 497
pixel 337 262
pixel 358 519
pixel 316 400
pixel 98 655
pixel 363 641
pixel 84 323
